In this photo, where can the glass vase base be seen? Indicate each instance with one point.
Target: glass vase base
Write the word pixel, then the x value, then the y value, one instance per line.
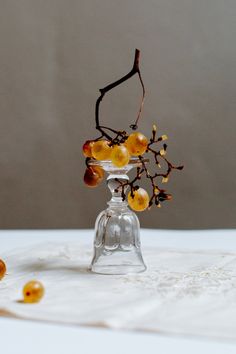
pixel 118 269
pixel 117 262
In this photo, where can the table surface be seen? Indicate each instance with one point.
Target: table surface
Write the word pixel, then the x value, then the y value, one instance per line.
pixel 17 336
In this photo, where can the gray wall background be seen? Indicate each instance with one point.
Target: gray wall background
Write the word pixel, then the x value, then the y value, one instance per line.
pixel 55 55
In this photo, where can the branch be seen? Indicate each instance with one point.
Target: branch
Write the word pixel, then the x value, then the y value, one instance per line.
pixel 135 70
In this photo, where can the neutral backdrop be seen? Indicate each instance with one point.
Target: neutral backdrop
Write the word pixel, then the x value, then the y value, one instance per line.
pixel 55 55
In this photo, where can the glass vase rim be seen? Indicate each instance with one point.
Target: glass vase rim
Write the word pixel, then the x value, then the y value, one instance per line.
pixel 133 162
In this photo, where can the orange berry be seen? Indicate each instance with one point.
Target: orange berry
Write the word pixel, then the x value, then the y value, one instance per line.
pixel 101 150
pixel 140 200
pixel 3 269
pixel 120 155
pixel 33 291
pixel 87 148
pixel 93 176
pixel 136 144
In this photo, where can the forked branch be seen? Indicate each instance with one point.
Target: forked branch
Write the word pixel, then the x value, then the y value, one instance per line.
pixel 135 70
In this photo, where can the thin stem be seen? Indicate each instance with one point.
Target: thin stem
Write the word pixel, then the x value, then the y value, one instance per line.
pixel 135 125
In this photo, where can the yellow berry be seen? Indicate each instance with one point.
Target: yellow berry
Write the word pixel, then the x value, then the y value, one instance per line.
pixel 120 155
pixel 2 269
pixel 101 150
pixel 140 200
pixel 33 291
pixel 136 144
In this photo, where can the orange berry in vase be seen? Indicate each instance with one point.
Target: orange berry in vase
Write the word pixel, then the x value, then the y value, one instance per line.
pixel 101 150
pixel 120 156
pixel 3 269
pixel 139 201
pixel 93 176
pixel 87 148
pixel 136 144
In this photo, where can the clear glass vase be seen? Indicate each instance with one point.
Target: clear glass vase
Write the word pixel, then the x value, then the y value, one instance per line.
pixel 117 229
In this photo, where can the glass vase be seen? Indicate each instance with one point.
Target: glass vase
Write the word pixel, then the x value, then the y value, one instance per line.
pixel 117 248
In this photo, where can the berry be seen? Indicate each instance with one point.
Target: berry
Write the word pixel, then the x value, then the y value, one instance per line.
pixel 120 155
pixel 33 291
pixel 87 148
pixel 140 200
pixel 93 176
pixel 101 150
pixel 136 144
pixel 2 269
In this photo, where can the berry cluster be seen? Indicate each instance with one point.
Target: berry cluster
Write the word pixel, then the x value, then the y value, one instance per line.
pixel 119 153
pixel 119 147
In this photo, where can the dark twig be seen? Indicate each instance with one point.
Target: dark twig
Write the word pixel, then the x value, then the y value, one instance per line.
pixel 135 70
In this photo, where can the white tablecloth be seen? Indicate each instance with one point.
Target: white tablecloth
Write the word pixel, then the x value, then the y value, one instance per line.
pixel 185 290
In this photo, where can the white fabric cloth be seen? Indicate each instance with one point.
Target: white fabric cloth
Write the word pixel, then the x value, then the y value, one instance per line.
pixel 182 292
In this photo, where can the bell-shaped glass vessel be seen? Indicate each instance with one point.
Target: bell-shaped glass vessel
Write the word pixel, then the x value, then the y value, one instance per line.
pixel 117 230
